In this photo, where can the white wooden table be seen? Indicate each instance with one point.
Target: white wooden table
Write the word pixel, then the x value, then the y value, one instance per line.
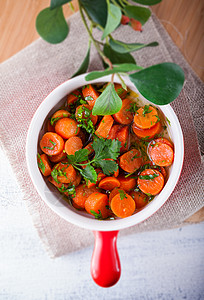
pixel 157 265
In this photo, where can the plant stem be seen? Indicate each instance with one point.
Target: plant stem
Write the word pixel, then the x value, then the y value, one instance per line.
pixel 105 59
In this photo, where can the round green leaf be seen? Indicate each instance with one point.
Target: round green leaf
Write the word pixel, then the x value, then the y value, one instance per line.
pixel 57 3
pixel 126 48
pixel 138 13
pixel 161 84
pixel 97 11
pixel 51 25
pixel 116 57
pixel 113 20
pixel 147 2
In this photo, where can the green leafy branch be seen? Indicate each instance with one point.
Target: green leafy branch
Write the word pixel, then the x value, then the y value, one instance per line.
pixel 160 83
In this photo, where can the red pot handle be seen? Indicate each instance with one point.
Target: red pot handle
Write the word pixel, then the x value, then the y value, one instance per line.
pixel 105 264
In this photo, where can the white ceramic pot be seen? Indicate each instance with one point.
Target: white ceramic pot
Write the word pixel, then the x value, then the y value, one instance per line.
pixel 55 201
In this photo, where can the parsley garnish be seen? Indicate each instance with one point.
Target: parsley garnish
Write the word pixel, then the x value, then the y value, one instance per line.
pixel 84 118
pixel 53 120
pixel 133 107
pixel 148 177
pixel 97 215
pixel 103 149
pixel 122 194
pixel 146 110
pixel 51 148
pixel 41 164
pixel 70 190
pixel 58 172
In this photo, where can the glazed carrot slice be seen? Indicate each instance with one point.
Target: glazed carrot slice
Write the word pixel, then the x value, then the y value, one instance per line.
pixel 59 114
pixel 62 186
pixel 146 117
pixel 84 112
pixel 72 145
pixel 90 94
pixel 97 204
pixel 127 183
pixel 64 172
pixel 44 165
pixel 67 128
pixel 124 116
pixel 161 140
pixel 119 90
pixel 104 126
pixel 82 193
pixel 59 157
pixel 131 161
pixel 112 194
pixel 150 182
pixel 160 169
pixel 122 205
pixel 51 143
pixel 140 199
pixel 109 183
pixel 90 148
pixel 77 181
pixel 71 98
pixel 124 137
pixel 161 154
pixel 147 133
pixel 100 176
pixel 113 132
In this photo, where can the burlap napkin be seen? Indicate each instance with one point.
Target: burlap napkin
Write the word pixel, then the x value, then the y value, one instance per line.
pixel 27 78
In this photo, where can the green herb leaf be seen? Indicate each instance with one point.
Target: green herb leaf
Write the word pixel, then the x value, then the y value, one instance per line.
pixel 161 83
pixel 108 103
pixel 105 148
pixel 148 177
pixel 126 48
pixel 116 57
pixel 50 148
pixel 146 110
pixel 51 25
pixel 41 164
pixel 79 156
pixel 113 20
pixel 53 120
pixel 138 13
pixel 97 11
pixel 122 194
pixel 85 64
pixel 108 166
pixel 116 69
pixel 54 175
pixel 57 3
pixel 70 190
pixel 147 2
pixel 97 215
pixel 89 173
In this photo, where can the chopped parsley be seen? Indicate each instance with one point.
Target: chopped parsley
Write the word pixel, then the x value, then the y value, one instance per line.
pixel 122 194
pixel 41 164
pixel 50 148
pixel 146 110
pixel 148 177
pixel 84 118
pixel 98 215
pixel 70 190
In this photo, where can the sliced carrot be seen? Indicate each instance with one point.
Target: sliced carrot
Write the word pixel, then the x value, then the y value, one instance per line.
pixel 59 114
pixel 122 205
pixel 50 128
pixel 126 183
pixel 146 117
pixel 160 169
pixel 147 133
pixel 71 98
pixel 90 94
pixel 84 112
pixel 161 154
pixel 77 181
pixel 82 193
pixel 113 132
pixel 124 116
pixel 67 128
pixel 59 157
pixel 64 172
pixel 131 161
pixel 51 143
pixel 140 199
pixel 57 184
pixel 104 127
pixel 161 140
pixel 112 194
pixel 124 137
pixel 100 176
pixel 46 167
pixel 90 148
pixel 119 90
pixel 150 182
pixel 109 183
pixel 97 204
pixel 72 145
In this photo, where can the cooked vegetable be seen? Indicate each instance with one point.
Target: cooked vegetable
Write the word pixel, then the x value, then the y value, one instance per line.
pixel 147 133
pixel 63 172
pixel 122 205
pixel 126 183
pixel 161 154
pixel 146 117
pixel 72 145
pixel 44 164
pixel 97 205
pixel 131 161
pixel 51 143
pixel 124 116
pixel 140 199
pixel 150 182
pixel 104 127
pixel 67 128
pixel 109 183
pixel 90 94
pixel 82 193
pixel 59 114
